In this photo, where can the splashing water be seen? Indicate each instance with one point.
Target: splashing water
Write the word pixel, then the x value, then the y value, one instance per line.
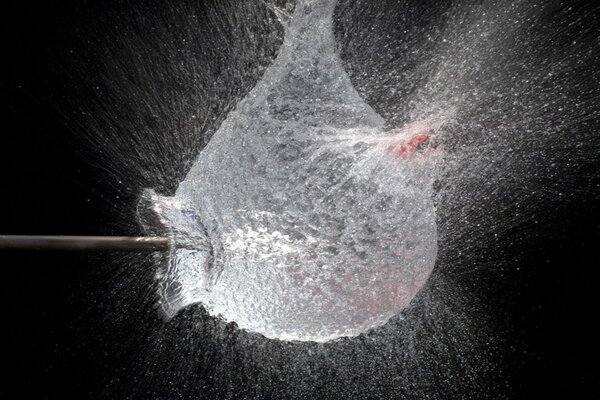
pixel 511 89
pixel 300 220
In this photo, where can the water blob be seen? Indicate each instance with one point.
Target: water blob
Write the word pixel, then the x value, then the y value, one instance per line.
pixel 302 219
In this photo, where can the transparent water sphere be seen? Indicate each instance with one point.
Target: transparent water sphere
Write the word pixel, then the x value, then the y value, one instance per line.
pixel 294 221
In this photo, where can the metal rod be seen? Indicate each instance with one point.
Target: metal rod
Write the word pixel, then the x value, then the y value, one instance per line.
pixel 84 243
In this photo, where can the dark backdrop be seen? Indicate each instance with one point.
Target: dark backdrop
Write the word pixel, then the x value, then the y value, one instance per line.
pixel 51 184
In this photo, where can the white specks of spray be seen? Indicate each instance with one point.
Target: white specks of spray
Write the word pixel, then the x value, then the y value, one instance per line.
pixel 514 104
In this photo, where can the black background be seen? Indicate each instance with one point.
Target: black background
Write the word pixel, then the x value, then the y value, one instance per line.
pixel 51 185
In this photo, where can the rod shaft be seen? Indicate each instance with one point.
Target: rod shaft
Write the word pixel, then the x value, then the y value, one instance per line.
pixel 84 243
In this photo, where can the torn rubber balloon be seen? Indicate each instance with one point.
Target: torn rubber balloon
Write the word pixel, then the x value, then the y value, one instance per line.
pixel 296 221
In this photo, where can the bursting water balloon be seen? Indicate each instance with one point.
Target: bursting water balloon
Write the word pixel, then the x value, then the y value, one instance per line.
pixel 301 219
